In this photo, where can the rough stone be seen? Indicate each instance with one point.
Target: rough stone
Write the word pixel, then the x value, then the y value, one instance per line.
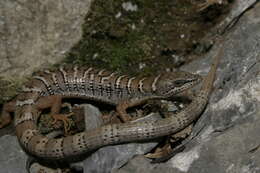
pixel 226 137
pixel 12 157
pixel 112 157
pixel 237 9
pixel 37 33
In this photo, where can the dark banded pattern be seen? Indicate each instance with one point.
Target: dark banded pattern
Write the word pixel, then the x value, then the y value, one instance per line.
pixel 98 85
pixel 109 87
pixel 46 84
pixel 101 85
pixel 141 85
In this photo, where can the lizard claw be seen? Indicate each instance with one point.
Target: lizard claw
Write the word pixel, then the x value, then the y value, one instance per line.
pixel 160 152
pixel 64 118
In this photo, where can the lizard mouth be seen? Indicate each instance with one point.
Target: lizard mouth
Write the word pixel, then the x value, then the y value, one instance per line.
pixel 192 82
pixel 173 90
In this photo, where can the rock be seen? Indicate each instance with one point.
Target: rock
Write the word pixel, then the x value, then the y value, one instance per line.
pixel 112 157
pixel 134 165
pixel 36 168
pixel 226 137
pixel 238 7
pixel 38 33
pixel 12 157
pixel 229 151
pixel 92 117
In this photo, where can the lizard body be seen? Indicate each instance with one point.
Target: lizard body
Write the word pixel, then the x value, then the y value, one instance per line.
pixel 79 144
pixel 48 87
pixel 98 85
pixel 110 88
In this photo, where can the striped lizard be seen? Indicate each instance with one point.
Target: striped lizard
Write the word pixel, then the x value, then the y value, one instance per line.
pixel 47 89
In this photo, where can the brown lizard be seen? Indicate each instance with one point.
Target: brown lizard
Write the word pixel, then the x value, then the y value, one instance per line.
pixel 68 84
pixel 66 148
pixel 100 85
pixel 49 87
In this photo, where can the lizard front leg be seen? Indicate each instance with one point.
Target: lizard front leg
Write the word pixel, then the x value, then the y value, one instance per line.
pixel 125 104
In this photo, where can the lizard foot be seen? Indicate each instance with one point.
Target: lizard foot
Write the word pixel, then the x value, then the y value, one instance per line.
pixel 166 151
pixel 64 118
pixel 160 152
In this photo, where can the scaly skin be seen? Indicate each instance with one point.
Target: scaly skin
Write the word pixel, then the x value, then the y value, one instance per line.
pixel 72 147
pixel 48 87
pixel 98 85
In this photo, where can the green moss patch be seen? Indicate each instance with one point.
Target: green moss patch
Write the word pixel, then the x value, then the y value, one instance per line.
pixel 144 35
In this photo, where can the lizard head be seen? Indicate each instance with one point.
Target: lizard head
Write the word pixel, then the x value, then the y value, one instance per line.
pixel 172 83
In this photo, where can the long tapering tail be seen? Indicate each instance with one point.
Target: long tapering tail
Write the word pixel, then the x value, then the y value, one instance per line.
pixel 65 148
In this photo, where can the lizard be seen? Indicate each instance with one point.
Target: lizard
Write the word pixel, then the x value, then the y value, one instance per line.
pixel 72 147
pixel 98 85
pixel 75 146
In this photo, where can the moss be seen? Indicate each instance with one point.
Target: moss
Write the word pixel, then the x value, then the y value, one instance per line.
pixel 149 37
pixel 9 88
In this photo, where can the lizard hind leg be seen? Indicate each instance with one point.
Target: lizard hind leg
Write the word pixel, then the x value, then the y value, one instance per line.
pixel 55 103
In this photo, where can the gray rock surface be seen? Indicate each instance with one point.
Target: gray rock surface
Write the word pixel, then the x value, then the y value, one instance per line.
pixel 37 33
pixel 112 157
pixel 227 134
pixel 238 7
pixel 226 137
pixel 92 117
pixel 12 157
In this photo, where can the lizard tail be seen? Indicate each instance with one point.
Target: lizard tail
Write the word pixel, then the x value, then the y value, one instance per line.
pixel 208 82
pixel 71 147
